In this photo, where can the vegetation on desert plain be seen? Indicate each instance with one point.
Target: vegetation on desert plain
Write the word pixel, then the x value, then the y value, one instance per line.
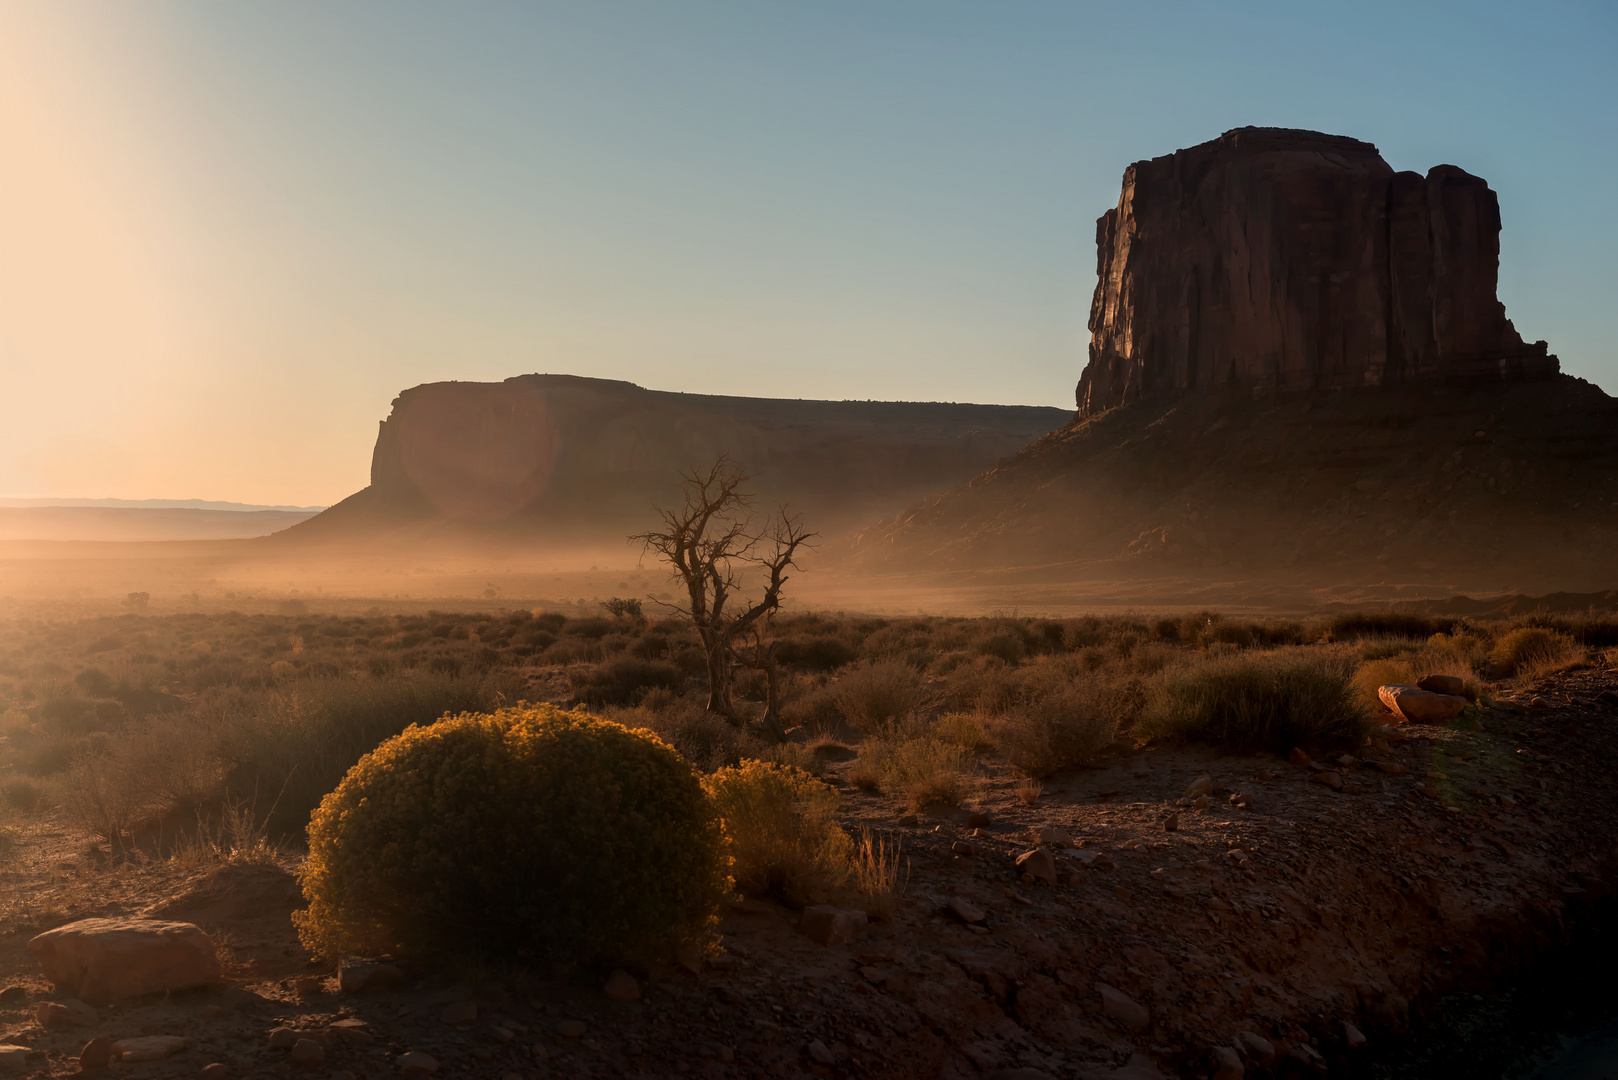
pixel 139 727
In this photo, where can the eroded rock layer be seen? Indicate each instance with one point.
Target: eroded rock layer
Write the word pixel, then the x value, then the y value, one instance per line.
pixel 1275 260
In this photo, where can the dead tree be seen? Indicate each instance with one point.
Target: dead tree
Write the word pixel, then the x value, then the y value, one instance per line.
pixel 710 543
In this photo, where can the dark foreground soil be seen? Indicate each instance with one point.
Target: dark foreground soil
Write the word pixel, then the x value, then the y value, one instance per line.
pixel 1310 918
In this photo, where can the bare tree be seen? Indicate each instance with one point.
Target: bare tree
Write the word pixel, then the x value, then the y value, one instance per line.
pixel 712 545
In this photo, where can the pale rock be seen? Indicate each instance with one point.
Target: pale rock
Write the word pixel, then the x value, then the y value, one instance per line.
pixel 104 960
pixel 1328 779
pixel 70 1013
pixel 1040 864
pixel 13 1057
pixel 1134 1016
pixel 1052 834
pixel 308 1052
pixel 1299 757
pixel 1241 799
pixel 1353 1037
pixel 621 987
pixel 417 1063
pixel 1201 802
pixel 1226 1062
pixel 1420 706
pixel 963 849
pixel 964 910
pixel 831 925
pixel 1202 785
pixel 818 1051
pixel 1259 1050
pixel 149 1047
pixel 352 1031
pixel 1452 685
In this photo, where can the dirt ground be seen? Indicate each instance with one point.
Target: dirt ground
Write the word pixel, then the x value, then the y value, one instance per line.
pixel 1311 918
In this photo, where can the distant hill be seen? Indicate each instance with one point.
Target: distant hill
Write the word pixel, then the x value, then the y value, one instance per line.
pixel 579 460
pixel 141 523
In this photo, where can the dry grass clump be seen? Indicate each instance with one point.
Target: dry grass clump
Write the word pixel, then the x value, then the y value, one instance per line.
pixel 784 837
pixel 1029 789
pixel 1248 700
pixel 914 760
pixel 878 875
pixel 1439 655
pixel 1531 652
pixel 965 730
pixel 704 739
pixel 1053 713
pixel 880 693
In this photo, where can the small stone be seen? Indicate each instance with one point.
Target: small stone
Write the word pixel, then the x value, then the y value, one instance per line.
pixel 1347 761
pixel 978 819
pixel 1329 779
pixel 218 1070
pixel 13 996
pixel 352 1031
pixel 283 1038
pixel 1265 776
pixel 1392 768
pixel 1202 785
pixel 149 1047
pixel 13 1057
pixel 1353 1037
pixel 1052 834
pixel 964 910
pixel 1537 702
pixel 907 820
pixel 1200 802
pixel 817 1050
pixel 1171 823
pixel 1298 757
pixel 70 1013
pixel 832 925
pixel 1608 698
pixel 621 987
pixel 308 1052
pixel 570 1029
pixel 97 1053
pixel 309 986
pixel 1226 1062
pixel 417 1063
pixel 1443 684
pixel 1259 1050
pixel 505 1035
pixel 1242 799
pixel 963 849
pixel 1039 863
pixel 1122 893
pixel 1134 1016
pixel 462 1012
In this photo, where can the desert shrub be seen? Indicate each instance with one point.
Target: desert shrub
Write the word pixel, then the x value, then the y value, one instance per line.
pixel 1248 700
pixel 1371 675
pixel 22 793
pixel 877 694
pixel 1531 651
pixel 912 759
pixel 818 652
pixel 1040 733
pixel 965 730
pixel 526 832
pixel 1360 624
pixel 98 792
pixel 784 837
pixel 878 873
pixel 1006 646
pixel 705 739
pixel 592 627
pixel 623 681
pixel 814 707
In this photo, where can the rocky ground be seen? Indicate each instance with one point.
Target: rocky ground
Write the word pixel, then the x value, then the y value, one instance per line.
pixel 1292 929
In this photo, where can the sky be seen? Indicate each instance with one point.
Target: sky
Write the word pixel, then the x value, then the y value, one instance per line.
pixel 231 232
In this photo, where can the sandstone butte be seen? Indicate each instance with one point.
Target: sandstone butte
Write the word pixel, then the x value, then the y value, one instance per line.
pixel 1271 260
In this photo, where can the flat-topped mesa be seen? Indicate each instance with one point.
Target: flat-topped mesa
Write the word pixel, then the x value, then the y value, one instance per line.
pixel 1278 260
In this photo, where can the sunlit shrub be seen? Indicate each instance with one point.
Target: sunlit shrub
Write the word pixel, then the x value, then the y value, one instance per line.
pixel 880 693
pixel 1247 700
pixel 784 837
pixel 913 760
pixel 1530 651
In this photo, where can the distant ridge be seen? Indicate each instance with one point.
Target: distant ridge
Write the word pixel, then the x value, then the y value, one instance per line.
pixel 153 504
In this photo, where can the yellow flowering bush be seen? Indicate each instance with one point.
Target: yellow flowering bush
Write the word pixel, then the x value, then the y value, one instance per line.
pixel 529 831
pixel 783 830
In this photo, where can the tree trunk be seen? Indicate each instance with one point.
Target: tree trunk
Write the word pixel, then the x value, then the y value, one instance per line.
pixel 772 704
pixel 719 682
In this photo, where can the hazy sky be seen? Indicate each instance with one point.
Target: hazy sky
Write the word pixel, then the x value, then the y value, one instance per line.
pixel 231 231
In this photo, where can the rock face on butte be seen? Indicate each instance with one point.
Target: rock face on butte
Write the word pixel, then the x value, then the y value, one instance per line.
pixel 1271 259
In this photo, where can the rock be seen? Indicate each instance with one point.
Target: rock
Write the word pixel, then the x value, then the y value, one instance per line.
pixel 832 925
pixel 1259 1050
pixel 1134 1016
pixel 1353 1037
pixel 1537 702
pixel 906 820
pixel 818 1052
pixel 1171 823
pixel 1392 768
pixel 417 1063
pixel 1051 834
pixel 963 849
pixel 1276 259
pixel 1347 761
pixel 1201 802
pixel 622 987
pixel 283 1038
pixel 570 1029
pixel 309 986
pixel 1329 779
pixel 690 958
pixel 105 960
pixel 1202 785
pixel 13 1057
pixel 1226 1063
pixel 149 1047
pixel 1040 864
pixel 356 975
pixel 1453 685
pixel 1298 757
pixel 1307 1056
pixel 1241 798
pixel 308 1052
pixel 1608 698
pixel 964 910
pixel 13 996
pixel 352 1031
pixel 1265 776
pixel 97 1053
pixel 978 819
pixel 218 1070
pixel 1420 706
pixel 461 1012
pixel 70 1013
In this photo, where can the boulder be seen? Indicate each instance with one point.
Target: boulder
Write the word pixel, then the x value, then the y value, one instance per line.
pixel 1272 259
pixel 97 1053
pixel 1259 1050
pixel 13 1057
pixel 1040 864
pixel 105 960
pixel 417 1063
pixel 1134 1016
pixel 1420 706
pixel 70 1013
pixel 832 925
pixel 1201 786
pixel 1226 1063
pixel 149 1047
pixel 1452 685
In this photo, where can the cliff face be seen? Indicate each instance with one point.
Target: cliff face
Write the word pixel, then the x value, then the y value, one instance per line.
pixel 589 458
pixel 1271 259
